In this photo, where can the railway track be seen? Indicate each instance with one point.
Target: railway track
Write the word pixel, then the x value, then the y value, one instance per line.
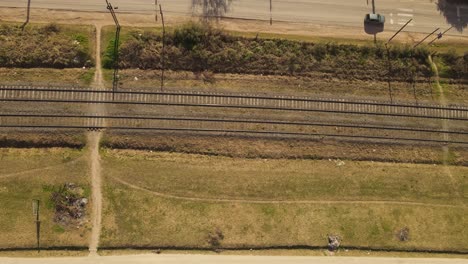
pixel 457 114
pixel 240 101
pixel 234 126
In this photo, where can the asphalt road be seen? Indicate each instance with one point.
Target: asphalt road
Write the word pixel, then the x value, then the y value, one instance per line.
pixel 424 13
pixel 226 259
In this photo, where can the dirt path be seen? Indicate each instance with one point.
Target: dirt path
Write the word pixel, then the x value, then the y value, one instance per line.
pixel 221 200
pixel 95 165
pixel 233 259
pixel 95 162
pixel 445 126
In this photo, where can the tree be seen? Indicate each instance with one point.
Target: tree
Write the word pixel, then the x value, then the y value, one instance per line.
pixel 455 12
pixel 212 8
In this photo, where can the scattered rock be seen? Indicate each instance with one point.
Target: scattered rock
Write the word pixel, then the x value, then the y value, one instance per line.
pixel 70 205
pixel 333 242
pixel 340 163
pixel 215 238
pixel 403 234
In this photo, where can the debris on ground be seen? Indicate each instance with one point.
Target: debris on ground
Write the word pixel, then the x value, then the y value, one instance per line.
pixel 333 242
pixel 339 163
pixel 403 234
pixel 215 238
pixel 70 205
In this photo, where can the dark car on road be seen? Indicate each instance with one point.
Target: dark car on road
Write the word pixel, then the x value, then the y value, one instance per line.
pixel 376 19
pixel 374 23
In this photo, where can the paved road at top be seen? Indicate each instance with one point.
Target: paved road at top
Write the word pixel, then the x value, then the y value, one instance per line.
pixel 225 259
pixel 424 13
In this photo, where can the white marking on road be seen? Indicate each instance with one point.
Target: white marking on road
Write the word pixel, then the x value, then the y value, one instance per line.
pixel 404 15
pixel 406 10
pixel 402 23
pixel 391 21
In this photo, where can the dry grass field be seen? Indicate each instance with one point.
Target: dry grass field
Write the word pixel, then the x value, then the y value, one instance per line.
pixel 27 174
pixel 178 200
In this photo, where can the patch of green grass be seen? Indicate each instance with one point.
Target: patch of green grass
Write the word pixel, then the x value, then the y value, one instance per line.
pixel 87 76
pixel 58 229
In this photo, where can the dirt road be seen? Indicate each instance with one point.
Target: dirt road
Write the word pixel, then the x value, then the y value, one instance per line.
pixel 226 259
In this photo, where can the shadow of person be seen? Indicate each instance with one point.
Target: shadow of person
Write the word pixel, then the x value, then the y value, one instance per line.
pixel 455 12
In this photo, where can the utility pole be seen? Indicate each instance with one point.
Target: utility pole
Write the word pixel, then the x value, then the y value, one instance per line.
pixel 163 61
pixel 389 81
pixel 115 79
pixel 271 12
pixel 399 30
pixel 373 6
pixel 156 10
pixel 28 11
pixel 35 205
pixel 425 38
pixel 440 35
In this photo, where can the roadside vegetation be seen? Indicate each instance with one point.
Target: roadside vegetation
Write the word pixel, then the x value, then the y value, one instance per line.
pixel 153 202
pixel 46 46
pixel 27 174
pixel 270 148
pixel 199 47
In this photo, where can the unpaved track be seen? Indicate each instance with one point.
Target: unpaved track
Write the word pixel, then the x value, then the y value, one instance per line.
pixel 95 165
pixel 26 172
pixel 245 201
pixel 445 126
pixel 230 259
pixel 95 162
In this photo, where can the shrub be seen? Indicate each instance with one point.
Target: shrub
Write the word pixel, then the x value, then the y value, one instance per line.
pixel 45 46
pixel 199 47
pixel 190 35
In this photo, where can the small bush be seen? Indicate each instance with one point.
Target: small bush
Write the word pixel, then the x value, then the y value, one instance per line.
pixel 51 28
pixel 403 234
pixel 45 46
pixel 215 238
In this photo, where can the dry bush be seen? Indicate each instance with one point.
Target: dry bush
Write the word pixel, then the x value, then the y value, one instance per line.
pixel 202 48
pixel 47 46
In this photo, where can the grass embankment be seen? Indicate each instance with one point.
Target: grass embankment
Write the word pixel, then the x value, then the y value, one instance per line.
pixel 253 147
pixel 15 138
pixel 47 54
pixel 207 58
pixel 27 174
pixel 195 196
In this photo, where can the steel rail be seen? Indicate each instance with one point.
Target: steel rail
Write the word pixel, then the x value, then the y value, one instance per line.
pixel 230 106
pixel 244 121
pixel 240 132
pixel 240 96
